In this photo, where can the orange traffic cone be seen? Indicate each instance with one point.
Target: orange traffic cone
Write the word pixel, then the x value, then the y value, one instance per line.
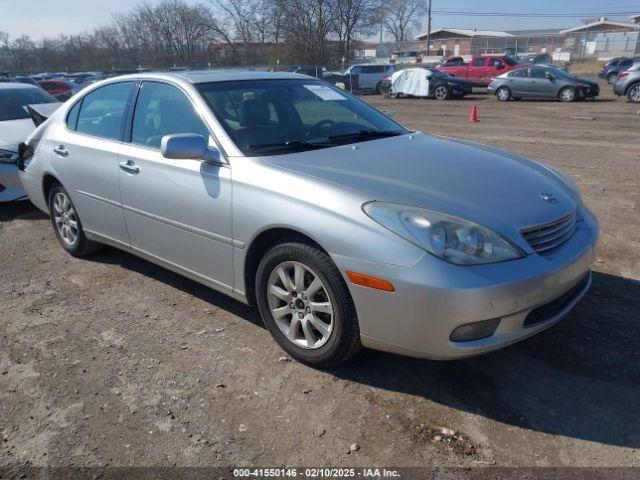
pixel 473 117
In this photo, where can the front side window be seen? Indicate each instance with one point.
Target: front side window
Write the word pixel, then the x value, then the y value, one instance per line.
pixel 13 101
pixel 103 110
pixel 161 110
pixel 494 62
pixel 269 117
pixel 520 73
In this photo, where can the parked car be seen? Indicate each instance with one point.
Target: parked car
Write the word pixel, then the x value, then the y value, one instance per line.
pixel 367 77
pixel 628 83
pixel 413 56
pixel 24 79
pixel 535 59
pixel 613 67
pixel 482 69
pixel 316 71
pixel 15 126
pixel 542 81
pixel 345 228
pixel 58 88
pixel 438 84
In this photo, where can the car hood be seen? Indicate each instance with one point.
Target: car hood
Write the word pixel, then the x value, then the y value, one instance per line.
pixel 472 181
pixel 588 81
pixel 12 132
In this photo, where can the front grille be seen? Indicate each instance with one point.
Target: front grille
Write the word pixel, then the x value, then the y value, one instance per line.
pixel 554 307
pixel 550 235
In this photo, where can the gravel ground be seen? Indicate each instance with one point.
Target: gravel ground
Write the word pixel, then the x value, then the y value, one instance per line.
pixel 110 360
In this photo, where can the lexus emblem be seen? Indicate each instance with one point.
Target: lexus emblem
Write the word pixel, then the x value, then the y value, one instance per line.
pixel 547 197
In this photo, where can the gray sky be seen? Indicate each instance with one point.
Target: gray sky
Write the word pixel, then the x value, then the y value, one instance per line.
pixel 39 18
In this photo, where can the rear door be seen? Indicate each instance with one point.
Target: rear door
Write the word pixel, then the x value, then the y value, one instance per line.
pixel 85 158
pixel 518 82
pixel 177 211
pixel 476 70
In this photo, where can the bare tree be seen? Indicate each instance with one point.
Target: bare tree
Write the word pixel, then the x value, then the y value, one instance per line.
pixel 20 50
pixel 401 17
pixel 353 18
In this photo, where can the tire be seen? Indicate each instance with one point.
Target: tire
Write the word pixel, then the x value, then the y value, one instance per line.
pixel 441 92
pixel 378 89
pixel 503 94
pixel 67 225
pixel 611 78
pixel 393 93
pixel 568 94
pixel 287 309
pixel 633 93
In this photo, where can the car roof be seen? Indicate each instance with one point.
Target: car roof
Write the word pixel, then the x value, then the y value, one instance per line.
pixel 16 86
pixel 207 76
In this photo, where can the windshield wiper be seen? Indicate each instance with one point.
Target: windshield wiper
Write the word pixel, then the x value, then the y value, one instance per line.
pixel 294 144
pixel 366 134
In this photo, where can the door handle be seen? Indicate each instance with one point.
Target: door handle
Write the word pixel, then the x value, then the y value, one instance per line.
pixel 63 152
pixel 129 166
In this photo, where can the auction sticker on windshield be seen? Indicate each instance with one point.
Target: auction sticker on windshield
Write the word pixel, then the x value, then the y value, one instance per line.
pixel 325 93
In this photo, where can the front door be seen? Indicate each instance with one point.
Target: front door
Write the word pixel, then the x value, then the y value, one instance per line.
pixel 177 211
pixel 475 70
pixel 541 85
pixel 85 156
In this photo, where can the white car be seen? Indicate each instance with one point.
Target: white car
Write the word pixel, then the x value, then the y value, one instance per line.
pixel 15 126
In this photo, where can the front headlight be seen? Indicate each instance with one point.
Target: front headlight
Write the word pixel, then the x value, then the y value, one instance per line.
pixel 7 156
pixel 450 238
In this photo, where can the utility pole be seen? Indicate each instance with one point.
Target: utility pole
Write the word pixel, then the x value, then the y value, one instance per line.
pixel 428 28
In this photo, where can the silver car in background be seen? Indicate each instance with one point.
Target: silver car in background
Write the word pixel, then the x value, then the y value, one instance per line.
pixel 541 81
pixel 15 126
pixel 628 83
pixel 343 227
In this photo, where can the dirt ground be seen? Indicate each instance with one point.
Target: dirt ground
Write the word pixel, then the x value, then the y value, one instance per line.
pixel 110 360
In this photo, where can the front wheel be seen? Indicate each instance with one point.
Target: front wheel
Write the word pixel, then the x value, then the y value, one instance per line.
pixel 633 94
pixel 441 93
pixel 611 78
pixel 503 94
pixel 393 93
pixel 306 306
pixel 568 94
pixel 67 225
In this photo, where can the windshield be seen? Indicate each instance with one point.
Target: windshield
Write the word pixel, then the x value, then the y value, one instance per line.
pixel 13 102
pixel 561 73
pixel 438 73
pixel 271 117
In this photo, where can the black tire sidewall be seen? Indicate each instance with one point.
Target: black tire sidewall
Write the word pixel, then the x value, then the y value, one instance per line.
pixel 332 352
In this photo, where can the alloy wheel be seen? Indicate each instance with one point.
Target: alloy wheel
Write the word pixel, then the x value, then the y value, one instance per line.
pixel 504 94
pixel 634 94
pixel 568 94
pixel 65 219
pixel 300 305
pixel 441 93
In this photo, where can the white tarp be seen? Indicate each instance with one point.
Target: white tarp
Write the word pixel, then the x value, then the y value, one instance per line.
pixel 411 81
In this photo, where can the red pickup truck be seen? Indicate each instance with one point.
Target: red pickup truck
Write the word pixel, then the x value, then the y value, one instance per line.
pixel 480 70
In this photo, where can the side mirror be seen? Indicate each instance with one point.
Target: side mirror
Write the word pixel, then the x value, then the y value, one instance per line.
pixel 188 146
pixel 388 114
pixel 549 76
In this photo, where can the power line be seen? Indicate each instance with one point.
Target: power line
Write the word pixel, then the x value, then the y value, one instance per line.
pixel 477 13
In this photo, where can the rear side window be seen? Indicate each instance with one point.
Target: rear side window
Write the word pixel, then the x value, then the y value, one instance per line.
pixel 494 62
pixel 626 62
pixel 161 110
pixel 538 73
pixel 103 111
pixel 72 116
pixel 478 62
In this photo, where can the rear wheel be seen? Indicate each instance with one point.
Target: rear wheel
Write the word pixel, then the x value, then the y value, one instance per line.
pixel 503 94
pixel 306 305
pixel 568 94
pixel 611 78
pixel 441 92
pixel 67 225
pixel 633 94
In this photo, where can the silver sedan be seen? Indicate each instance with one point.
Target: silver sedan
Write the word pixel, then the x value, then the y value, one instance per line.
pixel 343 227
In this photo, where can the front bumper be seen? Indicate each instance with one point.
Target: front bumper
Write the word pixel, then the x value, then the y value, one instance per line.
pixel 433 298
pixel 589 92
pixel 10 187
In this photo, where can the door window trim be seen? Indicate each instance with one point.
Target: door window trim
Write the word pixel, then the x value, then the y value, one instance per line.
pixel 128 131
pixel 81 102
